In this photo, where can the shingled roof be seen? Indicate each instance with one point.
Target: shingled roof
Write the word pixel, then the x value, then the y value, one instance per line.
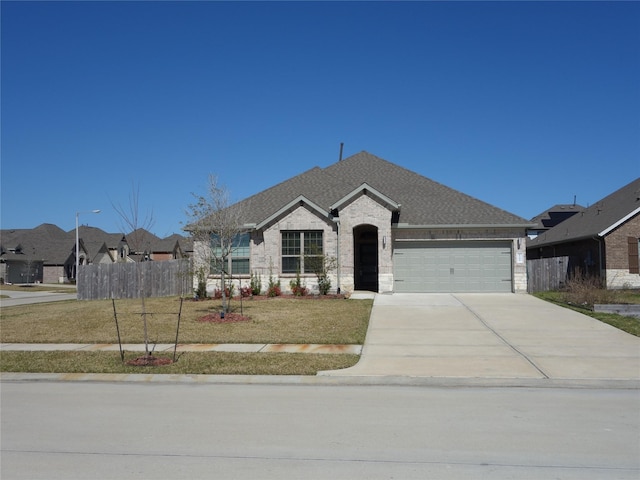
pixel 555 215
pixel 597 220
pixel 423 202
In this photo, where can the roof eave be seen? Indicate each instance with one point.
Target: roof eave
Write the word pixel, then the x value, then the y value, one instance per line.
pixel 610 228
pixel 466 226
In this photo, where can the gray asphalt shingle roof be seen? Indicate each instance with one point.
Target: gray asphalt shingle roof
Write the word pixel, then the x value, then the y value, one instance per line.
pixel 595 219
pixel 423 201
pixel 556 214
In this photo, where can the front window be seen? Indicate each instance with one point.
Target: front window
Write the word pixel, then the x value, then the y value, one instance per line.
pixel 299 249
pixel 237 261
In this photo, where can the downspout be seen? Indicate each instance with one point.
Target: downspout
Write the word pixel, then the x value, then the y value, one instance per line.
pixel 603 272
pixel 338 254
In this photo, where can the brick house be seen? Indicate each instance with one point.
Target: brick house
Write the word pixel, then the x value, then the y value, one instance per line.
pixel 600 241
pixel 388 228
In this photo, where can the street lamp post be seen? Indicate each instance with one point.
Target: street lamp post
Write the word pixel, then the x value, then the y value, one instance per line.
pixel 78 243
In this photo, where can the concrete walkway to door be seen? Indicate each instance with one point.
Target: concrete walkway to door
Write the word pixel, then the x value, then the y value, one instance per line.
pixel 492 336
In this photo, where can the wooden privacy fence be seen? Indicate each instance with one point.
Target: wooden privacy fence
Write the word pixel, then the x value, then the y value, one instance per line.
pixel 545 274
pixel 124 280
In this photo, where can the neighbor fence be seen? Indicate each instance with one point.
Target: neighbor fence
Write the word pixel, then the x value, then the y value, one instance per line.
pixel 127 280
pixel 545 274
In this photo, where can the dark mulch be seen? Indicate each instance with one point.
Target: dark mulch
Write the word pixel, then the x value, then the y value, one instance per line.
pixel 228 318
pixel 298 297
pixel 149 361
pixel 288 296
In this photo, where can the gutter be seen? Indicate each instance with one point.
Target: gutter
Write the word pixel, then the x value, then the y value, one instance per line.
pixel 464 226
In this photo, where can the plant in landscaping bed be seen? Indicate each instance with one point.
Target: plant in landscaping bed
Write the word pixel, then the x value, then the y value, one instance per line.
pixel 322 265
pixel 274 289
pixel 201 291
pixel 297 288
pixel 229 290
pixel 256 284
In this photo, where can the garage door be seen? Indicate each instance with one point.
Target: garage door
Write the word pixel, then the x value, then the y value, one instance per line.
pixel 452 266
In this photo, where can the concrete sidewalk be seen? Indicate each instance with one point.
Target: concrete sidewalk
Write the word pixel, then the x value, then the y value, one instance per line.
pixel 185 347
pixel 491 336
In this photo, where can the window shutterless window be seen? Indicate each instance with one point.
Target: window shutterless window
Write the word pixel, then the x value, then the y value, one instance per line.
pixel 237 261
pixel 299 249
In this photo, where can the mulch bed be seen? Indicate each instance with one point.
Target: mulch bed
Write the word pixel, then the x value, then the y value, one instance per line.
pixel 228 318
pixel 149 361
pixel 288 296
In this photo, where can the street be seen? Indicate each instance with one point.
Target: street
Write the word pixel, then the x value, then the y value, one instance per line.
pixel 67 430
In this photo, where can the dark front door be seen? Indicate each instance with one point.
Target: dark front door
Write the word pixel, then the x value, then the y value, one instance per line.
pixel 366 258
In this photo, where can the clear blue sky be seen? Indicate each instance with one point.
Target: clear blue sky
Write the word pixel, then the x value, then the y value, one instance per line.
pixel 522 105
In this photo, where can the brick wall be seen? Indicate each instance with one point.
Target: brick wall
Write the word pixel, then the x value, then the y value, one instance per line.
pixel 616 244
pixel 617 255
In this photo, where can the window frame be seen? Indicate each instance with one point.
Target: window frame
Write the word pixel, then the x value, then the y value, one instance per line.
pixel 240 254
pixel 297 245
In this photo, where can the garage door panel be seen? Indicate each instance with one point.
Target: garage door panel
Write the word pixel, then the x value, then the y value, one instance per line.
pixel 452 267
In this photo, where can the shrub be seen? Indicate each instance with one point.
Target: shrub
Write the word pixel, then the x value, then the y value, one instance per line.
pixel 586 290
pixel 324 284
pixel 228 292
pixel 274 289
pixel 246 291
pixel 256 284
pixel 322 265
pixel 297 288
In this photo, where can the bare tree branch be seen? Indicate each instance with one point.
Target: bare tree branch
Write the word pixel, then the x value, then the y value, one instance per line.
pixel 215 225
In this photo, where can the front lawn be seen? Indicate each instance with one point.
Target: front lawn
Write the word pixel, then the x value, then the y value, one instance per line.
pixel 276 320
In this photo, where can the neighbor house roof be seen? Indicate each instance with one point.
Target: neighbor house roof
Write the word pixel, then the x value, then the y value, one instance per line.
pixel 597 220
pixel 555 215
pixel 421 201
pixel 46 242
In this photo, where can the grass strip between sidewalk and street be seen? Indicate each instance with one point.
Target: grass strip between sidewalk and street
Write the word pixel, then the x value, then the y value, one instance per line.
pixel 193 363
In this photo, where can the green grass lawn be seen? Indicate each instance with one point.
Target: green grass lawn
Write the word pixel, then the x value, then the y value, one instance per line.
pixel 628 324
pixel 276 320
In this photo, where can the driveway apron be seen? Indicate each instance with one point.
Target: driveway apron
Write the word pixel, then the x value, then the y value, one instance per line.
pixel 502 336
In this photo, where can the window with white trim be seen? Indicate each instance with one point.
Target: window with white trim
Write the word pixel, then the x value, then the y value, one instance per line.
pixel 298 246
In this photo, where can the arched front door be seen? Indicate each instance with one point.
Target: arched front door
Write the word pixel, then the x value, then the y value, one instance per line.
pixel 365 258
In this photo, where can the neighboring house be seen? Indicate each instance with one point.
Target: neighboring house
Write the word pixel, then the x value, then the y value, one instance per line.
pixel 552 217
pixel 35 255
pixel 600 241
pixel 46 254
pixel 116 243
pixel 389 229
pixel 168 249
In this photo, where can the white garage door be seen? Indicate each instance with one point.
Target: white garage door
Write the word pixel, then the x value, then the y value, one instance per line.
pixel 452 266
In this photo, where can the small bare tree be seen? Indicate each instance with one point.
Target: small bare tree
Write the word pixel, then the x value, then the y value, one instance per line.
pixel 215 225
pixel 131 220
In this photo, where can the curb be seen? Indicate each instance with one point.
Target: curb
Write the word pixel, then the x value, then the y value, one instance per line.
pixel 322 380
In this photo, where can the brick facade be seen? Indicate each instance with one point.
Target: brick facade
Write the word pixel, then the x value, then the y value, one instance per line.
pixel 617 255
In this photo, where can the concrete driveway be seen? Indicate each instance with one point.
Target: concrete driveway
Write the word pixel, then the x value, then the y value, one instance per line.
pixel 28 297
pixel 491 336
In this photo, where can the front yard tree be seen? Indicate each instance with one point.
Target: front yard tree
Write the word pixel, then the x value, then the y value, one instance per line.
pixel 133 221
pixel 215 227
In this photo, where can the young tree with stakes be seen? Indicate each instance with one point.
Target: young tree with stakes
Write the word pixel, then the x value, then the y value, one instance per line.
pixel 215 224
pixel 133 222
